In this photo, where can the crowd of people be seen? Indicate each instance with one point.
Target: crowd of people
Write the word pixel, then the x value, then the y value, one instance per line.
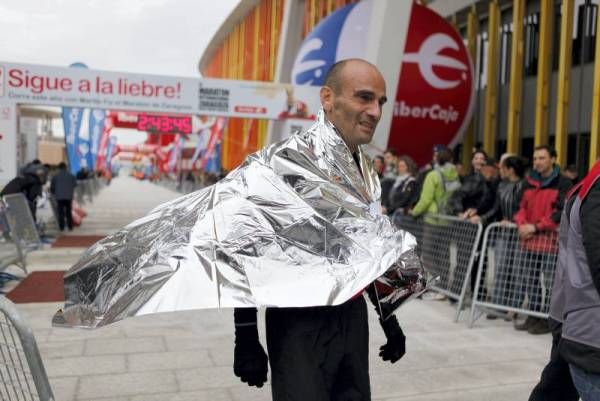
pixel 508 191
pixel 39 182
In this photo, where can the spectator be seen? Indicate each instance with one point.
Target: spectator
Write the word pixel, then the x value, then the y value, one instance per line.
pixel 390 158
pixel 405 191
pixel 439 184
pixel 537 219
pixel 429 166
pixel 571 173
pixel 83 174
pixel 508 196
pixel 62 187
pixel 30 184
pixel 475 196
pixel 379 165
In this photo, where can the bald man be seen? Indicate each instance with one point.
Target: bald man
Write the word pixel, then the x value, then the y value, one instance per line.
pixel 322 353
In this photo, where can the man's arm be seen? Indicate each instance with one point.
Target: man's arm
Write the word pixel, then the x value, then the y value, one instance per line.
pixel 590 216
pixel 250 362
pixel 395 347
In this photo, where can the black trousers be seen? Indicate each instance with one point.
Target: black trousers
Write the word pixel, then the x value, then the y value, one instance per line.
pixel 556 383
pixel 64 211
pixel 319 353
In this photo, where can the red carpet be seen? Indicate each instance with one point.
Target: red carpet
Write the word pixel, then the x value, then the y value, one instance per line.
pixel 79 241
pixel 39 287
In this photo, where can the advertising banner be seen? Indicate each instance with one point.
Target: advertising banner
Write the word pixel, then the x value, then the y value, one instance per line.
pixel 78 87
pixel 96 128
pixel 76 149
pixel 434 95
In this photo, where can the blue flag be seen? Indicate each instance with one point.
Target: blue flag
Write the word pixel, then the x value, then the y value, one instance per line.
pixel 76 149
pixel 72 117
pixel 96 127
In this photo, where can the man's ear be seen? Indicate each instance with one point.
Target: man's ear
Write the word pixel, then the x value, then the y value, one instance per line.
pixel 326 95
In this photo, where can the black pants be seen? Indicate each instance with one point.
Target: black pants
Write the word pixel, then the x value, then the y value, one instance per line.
pixel 64 211
pixel 556 383
pixel 319 353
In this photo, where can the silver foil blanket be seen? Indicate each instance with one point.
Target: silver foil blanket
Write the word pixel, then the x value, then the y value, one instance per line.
pixel 297 224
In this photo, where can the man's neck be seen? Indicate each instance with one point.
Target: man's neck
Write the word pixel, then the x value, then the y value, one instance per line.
pixel 547 174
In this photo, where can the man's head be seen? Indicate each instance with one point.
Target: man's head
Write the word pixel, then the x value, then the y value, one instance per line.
pixel 390 156
pixel 489 170
pixel 352 97
pixel 544 158
pixel 62 166
pixel 444 155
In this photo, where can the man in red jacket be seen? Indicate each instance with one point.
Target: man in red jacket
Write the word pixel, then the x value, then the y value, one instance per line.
pixel 538 219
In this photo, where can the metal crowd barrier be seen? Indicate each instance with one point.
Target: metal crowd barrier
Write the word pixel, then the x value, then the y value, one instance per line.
pixel 10 252
pixel 22 228
pixel 449 248
pixel 22 373
pixel 514 275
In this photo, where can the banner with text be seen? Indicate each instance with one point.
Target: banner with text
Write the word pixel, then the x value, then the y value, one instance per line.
pixel 77 87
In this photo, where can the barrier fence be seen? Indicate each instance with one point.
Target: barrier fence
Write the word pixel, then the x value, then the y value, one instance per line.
pixel 448 250
pixel 514 275
pixel 506 274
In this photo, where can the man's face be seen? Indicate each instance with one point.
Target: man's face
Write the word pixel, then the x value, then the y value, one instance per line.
pixel 356 109
pixel 542 162
pixel 389 158
pixel 489 172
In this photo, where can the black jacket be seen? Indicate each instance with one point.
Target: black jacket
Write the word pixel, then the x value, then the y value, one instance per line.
pixel 474 193
pixel 404 195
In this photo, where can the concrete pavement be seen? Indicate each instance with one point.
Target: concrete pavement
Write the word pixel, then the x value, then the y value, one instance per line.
pixel 188 355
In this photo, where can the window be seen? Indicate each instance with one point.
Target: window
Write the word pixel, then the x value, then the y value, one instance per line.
pixel 531 43
pixel 505 49
pixel 584 41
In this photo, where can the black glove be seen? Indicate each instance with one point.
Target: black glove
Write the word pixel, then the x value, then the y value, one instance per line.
pixel 250 362
pixel 395 348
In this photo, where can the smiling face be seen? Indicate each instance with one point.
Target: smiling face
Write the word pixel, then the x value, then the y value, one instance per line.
pixel 354 107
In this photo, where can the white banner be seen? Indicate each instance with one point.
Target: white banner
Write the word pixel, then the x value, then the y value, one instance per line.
pixel 84 88
pixel 77 87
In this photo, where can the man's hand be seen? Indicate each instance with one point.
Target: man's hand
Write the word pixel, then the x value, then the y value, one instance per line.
pixel 395 348
pixel 468 213
pixel 526 231
pixel 250 362
pixel 475 219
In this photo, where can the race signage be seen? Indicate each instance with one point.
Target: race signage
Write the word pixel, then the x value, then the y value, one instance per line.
pixel 124 92
pixel 75 87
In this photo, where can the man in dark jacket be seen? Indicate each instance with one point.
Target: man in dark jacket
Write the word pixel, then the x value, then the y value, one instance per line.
pixel 62 187
pixel 537 220
pixel 321 353
pixel 29 184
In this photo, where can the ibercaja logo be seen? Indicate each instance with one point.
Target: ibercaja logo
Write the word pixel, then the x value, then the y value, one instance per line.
pixel 435 95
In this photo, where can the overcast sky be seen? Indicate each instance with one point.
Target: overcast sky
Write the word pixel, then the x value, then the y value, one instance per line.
pixel 165 37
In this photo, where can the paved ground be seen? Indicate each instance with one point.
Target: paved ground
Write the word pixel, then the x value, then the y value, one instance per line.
pixel 188 356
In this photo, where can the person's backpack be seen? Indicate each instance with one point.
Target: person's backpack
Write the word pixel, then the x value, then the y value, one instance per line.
pixel 449 188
